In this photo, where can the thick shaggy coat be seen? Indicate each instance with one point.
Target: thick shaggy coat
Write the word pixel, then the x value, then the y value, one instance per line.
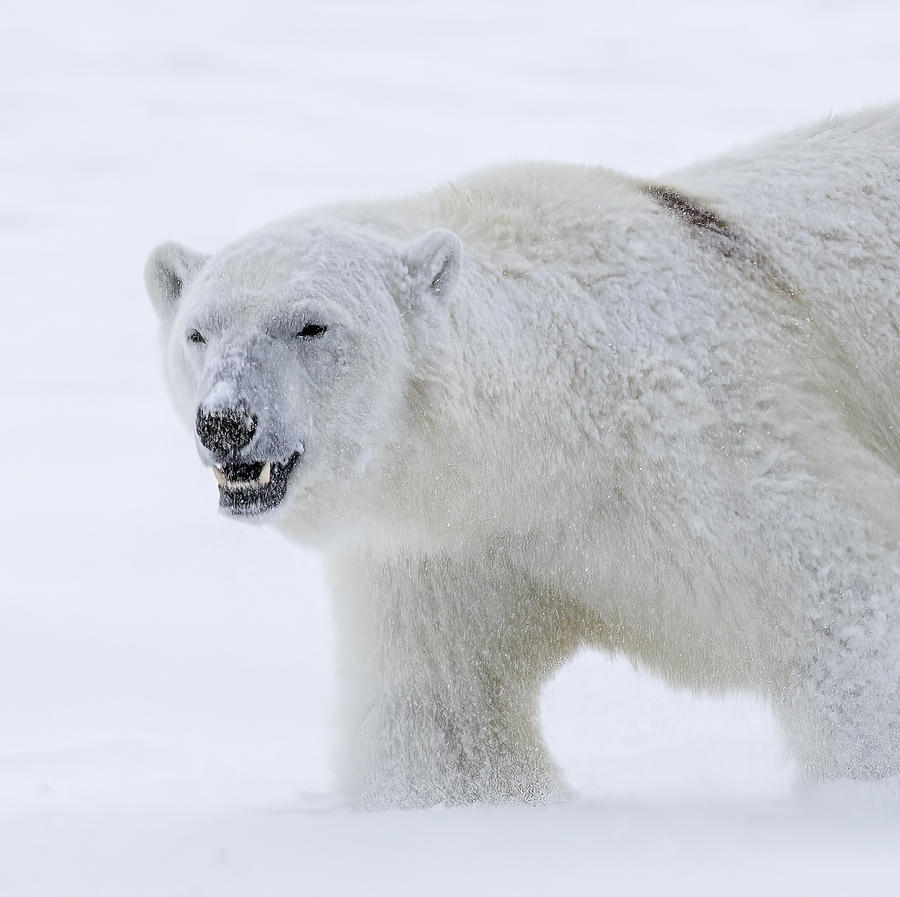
pixel 549 406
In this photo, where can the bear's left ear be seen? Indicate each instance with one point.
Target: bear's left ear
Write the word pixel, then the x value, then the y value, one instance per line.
pixel 433 263
pixel 169 268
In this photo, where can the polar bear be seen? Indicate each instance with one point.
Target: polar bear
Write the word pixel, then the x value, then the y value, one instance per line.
pixel 549 406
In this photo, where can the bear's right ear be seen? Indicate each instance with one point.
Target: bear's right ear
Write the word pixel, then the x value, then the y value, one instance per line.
pixel 170 267
pixel 433 263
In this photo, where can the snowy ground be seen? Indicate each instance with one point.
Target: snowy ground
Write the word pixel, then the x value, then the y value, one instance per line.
pixel 165 677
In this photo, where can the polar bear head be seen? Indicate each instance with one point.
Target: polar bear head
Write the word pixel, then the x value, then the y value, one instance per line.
pixel 290 353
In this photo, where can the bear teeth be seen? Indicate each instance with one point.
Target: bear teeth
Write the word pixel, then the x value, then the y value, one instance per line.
pixel 265 475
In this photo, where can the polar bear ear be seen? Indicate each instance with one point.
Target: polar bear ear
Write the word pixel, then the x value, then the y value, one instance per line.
pixel 433 263
pixel 169 268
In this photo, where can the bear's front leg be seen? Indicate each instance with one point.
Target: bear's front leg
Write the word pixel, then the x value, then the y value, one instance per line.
pixel 440 663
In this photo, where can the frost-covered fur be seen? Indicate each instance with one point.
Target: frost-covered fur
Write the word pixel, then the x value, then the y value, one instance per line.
pixel 557 407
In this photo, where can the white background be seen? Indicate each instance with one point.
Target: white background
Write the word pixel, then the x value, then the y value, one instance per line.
pixel 165 675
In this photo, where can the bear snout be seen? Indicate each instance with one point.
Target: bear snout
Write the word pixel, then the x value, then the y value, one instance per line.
pixel 226 431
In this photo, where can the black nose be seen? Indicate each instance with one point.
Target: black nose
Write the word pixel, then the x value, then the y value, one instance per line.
pixel 226 431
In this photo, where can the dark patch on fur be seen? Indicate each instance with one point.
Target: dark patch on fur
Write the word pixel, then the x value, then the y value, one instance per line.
pixel 687 209
pixel 696 216
pixel 718 231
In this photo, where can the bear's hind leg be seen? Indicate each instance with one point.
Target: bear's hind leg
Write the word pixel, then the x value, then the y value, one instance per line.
pixel 841 702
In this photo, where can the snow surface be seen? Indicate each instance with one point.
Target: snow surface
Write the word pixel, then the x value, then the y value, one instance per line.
pixel 165 674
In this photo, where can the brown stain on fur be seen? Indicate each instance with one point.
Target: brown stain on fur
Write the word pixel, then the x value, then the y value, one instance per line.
pixel 693 214
pixel 720 234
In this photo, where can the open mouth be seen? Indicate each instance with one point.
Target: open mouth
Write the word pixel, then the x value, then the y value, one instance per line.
pixel 250 488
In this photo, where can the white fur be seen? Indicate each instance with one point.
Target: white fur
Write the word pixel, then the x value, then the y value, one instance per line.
pixel 554 412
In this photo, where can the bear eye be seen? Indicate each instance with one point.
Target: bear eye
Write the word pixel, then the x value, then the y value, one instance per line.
pixel 311 331
pixel 195 336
